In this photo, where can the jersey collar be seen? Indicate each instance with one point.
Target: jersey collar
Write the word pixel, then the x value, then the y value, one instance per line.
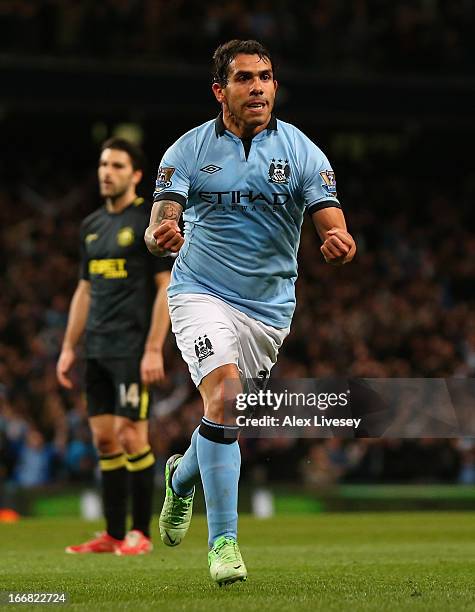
pixel 220 128
pixel 137 201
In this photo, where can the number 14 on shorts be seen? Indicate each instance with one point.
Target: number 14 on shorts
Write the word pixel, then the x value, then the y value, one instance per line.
pixel 129 396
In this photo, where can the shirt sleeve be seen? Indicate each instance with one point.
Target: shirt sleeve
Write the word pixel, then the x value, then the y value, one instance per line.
pixel 173 178
pixel 319 184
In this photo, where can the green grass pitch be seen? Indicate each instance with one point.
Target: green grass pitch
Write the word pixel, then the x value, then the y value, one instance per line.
pixel 403 561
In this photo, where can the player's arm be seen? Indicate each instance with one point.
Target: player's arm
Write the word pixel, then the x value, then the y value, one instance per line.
pixel 338 246
pixel 78 312
pixel 163 235
pixel 151 367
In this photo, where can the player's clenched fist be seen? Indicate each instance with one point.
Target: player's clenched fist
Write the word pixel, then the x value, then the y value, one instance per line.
pixel 164 238
pixel 339 247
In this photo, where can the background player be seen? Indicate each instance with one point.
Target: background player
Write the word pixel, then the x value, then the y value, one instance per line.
pixel 121 302
pixel 244 182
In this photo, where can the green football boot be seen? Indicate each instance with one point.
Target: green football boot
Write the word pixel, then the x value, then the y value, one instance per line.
pixel 225 562
pixel 175 517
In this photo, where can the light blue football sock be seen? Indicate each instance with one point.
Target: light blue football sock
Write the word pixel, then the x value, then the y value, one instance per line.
pixel 187 474
pixel 219 458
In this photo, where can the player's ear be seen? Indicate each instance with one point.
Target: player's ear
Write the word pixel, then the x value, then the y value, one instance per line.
pixel 218 92
pixel 137 176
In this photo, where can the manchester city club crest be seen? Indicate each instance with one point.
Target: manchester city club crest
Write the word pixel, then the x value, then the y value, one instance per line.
pixel 203 348
pixel 279 171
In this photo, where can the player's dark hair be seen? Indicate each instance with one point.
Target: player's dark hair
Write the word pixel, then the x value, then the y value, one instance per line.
pixel 226 52
pixel 135 153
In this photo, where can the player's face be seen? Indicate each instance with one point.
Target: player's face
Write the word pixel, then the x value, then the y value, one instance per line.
pixel 116 174
pixel 249 94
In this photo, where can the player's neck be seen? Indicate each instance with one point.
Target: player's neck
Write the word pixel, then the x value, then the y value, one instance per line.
pixel 117 205
pixel 240 129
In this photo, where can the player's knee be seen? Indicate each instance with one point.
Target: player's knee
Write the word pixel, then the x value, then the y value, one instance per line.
pixel 214 410
pixel 106 443
pixel 214 403
pixel 215 391
pixel 130 438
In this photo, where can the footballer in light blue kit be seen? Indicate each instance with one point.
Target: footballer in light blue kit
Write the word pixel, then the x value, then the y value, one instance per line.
pixel 243 182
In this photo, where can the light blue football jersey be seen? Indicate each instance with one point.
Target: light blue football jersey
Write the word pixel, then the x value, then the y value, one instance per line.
pixel 243 215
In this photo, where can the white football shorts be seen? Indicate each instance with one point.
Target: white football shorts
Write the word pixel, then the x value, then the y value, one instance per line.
pixel 211 333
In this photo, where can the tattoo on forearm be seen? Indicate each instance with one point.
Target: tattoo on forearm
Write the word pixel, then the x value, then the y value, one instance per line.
pixel 165 209
pixel 170 212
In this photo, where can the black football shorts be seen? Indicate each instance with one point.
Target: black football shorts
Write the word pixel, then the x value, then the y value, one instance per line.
pixel 113 386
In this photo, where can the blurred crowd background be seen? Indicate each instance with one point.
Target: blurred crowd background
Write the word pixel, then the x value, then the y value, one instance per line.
pixel 403 309
pixel 354 35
